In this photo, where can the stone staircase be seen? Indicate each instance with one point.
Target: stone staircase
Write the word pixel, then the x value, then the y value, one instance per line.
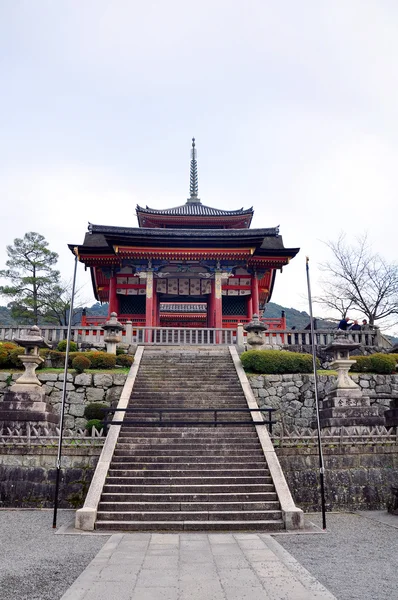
pixel 188 477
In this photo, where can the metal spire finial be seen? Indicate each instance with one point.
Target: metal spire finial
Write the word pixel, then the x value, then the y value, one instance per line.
pixel 193 175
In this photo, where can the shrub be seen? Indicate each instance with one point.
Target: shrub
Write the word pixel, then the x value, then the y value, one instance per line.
pixel 14 360
pixel 97 423
pixel 80 363
pixel 57 359
pixel 95 410
pixel 4 357
pixel 102 360
pixel 120 350
pixel 9 345
pixel 61 347
pixel 124 360
pixel 375 363
pixel 277 361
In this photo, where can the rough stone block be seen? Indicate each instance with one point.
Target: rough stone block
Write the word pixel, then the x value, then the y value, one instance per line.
pixel 76 410
pixel 60 386
pixel 119 378
pixel 95 394
pixel 83 379
pixel 61 377
pixel 113 394
pixel 103 380
pixel 44 377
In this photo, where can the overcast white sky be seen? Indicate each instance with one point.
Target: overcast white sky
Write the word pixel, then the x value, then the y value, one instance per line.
pixel 293 106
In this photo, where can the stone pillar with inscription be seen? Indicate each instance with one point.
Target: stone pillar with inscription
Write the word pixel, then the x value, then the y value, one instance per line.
pixel 344 404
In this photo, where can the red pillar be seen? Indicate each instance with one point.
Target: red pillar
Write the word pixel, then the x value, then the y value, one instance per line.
pixel 155 309
pixel 217 300
pixel 210 306
pixel 255 299
pixel 113 299
pixel 249 309
pixel 149 300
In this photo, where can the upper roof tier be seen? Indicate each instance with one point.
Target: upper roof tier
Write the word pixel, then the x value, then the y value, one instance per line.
pixel 193 213
pixel 196 215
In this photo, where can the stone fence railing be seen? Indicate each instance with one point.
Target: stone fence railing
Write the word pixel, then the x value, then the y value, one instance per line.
pixel 199 336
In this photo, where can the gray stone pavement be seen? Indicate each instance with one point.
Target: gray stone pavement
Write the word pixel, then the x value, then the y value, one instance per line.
pixel 195 566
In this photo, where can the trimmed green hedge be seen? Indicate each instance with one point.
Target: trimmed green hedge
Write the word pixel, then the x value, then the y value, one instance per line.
pixel 61 347
pixel 124 360
pixel 277 361
pixel 375 363
pixel 9 353
pixel 81 363
pixel 95 410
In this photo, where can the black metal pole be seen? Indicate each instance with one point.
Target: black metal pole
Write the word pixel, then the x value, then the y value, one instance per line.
pixel 313 345
pixel 61 422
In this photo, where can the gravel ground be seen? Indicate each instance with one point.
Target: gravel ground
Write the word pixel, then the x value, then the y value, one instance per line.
pixel 357 559
pixel 36 564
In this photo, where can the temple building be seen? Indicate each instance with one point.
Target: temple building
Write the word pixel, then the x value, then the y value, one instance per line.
pixel 187 266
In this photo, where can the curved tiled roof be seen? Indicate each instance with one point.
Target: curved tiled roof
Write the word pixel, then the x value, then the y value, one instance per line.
pixel 195 209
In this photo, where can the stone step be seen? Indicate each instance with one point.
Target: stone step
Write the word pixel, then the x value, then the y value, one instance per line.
pixel 181 460
pixel 227 526
pixel 176 474
pixel 172 488
pixel 183 443
pixel 130 463
pixel 163 515
pixel 177 497
pixel 187 481
pixel 183 394
pixel 188 506
pixel 124 450
pixel 209 433
pixel 192 431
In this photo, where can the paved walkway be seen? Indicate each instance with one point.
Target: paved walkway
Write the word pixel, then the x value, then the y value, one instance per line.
pixel 190 566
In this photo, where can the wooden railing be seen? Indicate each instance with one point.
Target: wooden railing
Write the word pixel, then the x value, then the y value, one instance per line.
pixel 198 336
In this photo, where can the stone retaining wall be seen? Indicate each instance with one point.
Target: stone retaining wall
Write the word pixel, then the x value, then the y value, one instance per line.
pixel 356 477
pixel 293 396
pixel 81 390
pixel 27 476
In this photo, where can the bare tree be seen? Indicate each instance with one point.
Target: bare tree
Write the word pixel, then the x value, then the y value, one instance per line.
pixel 357 278
pixel 57 304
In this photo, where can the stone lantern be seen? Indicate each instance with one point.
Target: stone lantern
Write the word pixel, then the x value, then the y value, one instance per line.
pixel 31 341
pixel 344 403
pixel 112 336
pixel 255 333
pixel 25 401
pixel 340 349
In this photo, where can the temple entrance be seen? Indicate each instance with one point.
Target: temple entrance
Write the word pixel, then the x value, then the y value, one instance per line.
pixel 182 311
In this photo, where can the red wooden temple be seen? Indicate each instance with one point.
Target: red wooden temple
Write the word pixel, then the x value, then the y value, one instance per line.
pixel 188 266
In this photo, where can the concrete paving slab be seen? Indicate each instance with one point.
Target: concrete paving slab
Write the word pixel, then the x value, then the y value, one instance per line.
pixel 209 567
pixel 155 593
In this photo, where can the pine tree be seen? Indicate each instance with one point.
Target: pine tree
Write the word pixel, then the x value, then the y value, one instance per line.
pixel 31 275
